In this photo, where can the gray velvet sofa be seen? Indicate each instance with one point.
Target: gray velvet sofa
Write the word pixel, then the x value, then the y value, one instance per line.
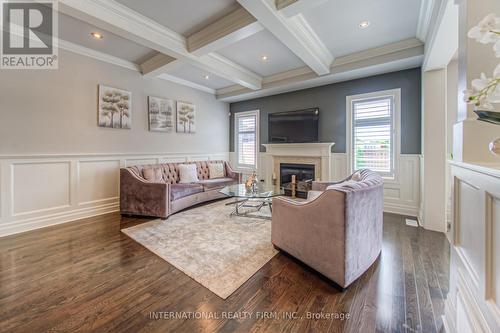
pixel 337 231
pixel 154 190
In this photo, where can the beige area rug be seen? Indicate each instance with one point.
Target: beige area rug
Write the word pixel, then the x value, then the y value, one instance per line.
pixel 218 251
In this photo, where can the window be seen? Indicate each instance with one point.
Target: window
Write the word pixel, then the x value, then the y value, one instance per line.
pixel 373 132
pixel 247 138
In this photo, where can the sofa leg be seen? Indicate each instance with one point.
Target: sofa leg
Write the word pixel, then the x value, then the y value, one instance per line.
pixel 276 248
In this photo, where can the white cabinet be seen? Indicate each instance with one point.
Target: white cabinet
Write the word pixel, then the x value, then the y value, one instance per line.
pixel 473 302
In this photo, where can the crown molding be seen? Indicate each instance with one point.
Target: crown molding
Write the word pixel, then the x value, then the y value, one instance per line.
pixel 424 19
pixel 84 51
pixel 396 56
pixel 186 83
pixel 295 33
pixel 123 21
pixel 442 14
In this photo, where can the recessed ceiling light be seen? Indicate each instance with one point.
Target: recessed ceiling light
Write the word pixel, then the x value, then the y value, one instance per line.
pixel 264 58
pixel 97 35
pixel 364 24
pixel 207 77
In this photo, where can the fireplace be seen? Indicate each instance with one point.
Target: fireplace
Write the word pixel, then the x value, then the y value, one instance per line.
pixel 304 175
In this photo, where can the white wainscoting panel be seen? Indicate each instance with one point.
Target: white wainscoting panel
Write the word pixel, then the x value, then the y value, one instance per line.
pixel 401 196
pixel 40 187
pixel 493 255
pixel 98 181
pixel 468 236
pixel 473 300
pixel 339 167
pixel 41 190
pixel 139 161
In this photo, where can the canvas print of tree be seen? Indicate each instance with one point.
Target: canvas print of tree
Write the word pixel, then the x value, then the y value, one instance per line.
pixel 186 118
pixel 161 114
pixel 114 107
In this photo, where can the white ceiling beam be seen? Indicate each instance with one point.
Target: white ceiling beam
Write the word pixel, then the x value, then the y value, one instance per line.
pixel 424 19
pixel 121 20
pixel 186 83
pixel 392 57
pixel 235 26
pixel 157 65
pixel 442 40
pixel 289 8
pixel 294 32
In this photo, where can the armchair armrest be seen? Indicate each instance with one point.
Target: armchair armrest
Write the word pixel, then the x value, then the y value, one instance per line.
pixel 321 186
pixel 138 196
pixel 233 174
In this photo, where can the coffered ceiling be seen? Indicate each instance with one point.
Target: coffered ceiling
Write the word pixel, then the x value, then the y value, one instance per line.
pixel 249 52
pixel 248 48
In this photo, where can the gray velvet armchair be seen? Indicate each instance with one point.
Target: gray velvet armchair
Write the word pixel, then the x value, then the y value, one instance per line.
pixel 338 230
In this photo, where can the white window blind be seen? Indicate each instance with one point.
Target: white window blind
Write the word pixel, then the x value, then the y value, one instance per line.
pixel 246 139
pixel 372 136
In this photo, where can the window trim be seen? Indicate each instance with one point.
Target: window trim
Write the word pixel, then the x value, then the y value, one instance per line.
pixel 237 115
pixel 396 125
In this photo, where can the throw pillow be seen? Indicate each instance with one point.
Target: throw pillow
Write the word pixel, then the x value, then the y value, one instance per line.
pixel 153 175
pixel 188 173
pixel 216 170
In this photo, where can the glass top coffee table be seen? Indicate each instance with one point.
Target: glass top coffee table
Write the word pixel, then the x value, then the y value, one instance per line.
pixel 255 199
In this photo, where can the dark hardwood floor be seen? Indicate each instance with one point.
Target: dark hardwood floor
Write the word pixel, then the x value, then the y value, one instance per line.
pixel 88 276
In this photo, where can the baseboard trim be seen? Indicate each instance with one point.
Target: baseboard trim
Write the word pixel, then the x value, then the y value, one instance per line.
pixel 394 208
pixel 38 222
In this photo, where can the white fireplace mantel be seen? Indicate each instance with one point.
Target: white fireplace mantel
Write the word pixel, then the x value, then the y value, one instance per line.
pixel 318 154
pixel 322 149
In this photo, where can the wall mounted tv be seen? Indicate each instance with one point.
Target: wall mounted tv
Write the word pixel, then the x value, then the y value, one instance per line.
pixel 300 126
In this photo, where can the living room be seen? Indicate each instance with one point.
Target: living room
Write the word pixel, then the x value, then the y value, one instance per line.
pixel 250 165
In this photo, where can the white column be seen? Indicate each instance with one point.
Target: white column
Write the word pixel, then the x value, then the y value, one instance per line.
pixel 471 137
pixel 434 150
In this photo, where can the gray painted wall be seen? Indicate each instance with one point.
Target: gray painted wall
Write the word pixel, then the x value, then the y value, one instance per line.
pixel 331 100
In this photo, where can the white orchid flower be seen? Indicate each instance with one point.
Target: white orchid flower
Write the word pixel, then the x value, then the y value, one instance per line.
pixel 486 91
pixel 484 32
pixel 481 83
pixel 496 48
pixel 496 72
pixel 494 96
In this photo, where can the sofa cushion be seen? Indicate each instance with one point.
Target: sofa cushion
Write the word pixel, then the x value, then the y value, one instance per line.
pixel 217 183
pixel 216 170
pixel 188 173
pixel 178 191
pixel 152 174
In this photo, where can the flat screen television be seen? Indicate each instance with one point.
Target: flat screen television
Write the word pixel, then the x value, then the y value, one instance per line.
pixel 300 126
